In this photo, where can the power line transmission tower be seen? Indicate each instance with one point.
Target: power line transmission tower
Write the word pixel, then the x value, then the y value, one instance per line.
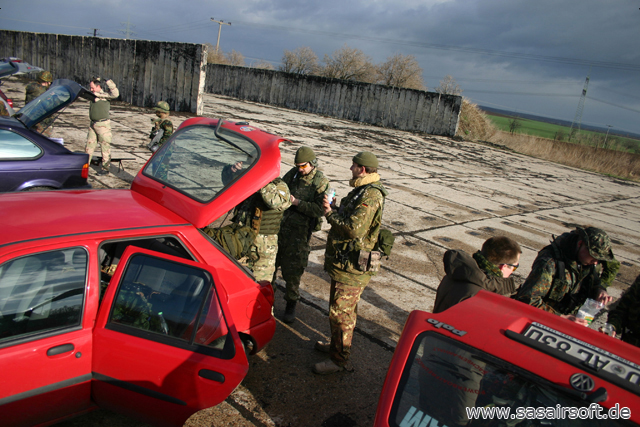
pixel 127 33
pixel 219 30
pixel 577 120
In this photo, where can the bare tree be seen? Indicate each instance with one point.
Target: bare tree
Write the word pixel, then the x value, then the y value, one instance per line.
pixel 448 86
pixel 214 56
pixel 349 64
pixel 401 71
pixel 235 58
pixel 263 65
pixel 303 60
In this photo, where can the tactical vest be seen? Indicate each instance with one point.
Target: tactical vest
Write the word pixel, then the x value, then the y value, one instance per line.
pixel 99 110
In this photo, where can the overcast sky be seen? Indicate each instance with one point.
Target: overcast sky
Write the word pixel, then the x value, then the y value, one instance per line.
pixel 528 56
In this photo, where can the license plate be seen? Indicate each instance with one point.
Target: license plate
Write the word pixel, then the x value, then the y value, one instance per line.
pixel 589 354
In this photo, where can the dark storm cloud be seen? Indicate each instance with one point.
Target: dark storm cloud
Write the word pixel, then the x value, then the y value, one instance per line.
pixel 530 56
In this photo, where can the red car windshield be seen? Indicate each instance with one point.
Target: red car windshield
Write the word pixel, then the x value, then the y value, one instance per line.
pixel 198 163
pixel 446 383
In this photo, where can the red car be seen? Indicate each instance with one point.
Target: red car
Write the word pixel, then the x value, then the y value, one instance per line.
pixel 117 299
pixel 493 361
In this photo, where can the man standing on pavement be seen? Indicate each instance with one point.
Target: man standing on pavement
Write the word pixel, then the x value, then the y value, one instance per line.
pixel 307 186
pixel 563 275
pixel 162 127
pixel 490 269
pixel 34 90
pixel 100 127
pixel 263 213
pixel 350 258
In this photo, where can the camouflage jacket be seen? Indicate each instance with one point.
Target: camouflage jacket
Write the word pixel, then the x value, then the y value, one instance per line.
pixel 626 316
pixel 3 109
pixel 354 227
pixel 545 289
pixel 167 129
pixel 263 210
pixel 32 91
pixel 309 190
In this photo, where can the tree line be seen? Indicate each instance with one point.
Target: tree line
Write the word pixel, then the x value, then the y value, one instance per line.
pixel 346 63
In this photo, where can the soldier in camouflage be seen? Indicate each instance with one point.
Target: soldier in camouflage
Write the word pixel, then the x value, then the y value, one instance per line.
pixel 37 88
pixel 307 186
pixel 34 90
pixel 100 127
pixel 3 109
pixel 263 212
pixel 160 124
pixel 564 273
pixel 350 258
pixel 625 318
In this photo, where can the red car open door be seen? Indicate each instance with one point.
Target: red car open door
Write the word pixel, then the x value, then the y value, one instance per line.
pixel 163 346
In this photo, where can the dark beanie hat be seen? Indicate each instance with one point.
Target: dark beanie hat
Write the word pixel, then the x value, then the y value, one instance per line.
pixel 304 155
pixel 366 158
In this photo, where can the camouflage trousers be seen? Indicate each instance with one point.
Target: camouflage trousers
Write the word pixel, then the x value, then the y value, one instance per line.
pixel 293 257
pixel 100 133
pixel 266 250
pixel 343 313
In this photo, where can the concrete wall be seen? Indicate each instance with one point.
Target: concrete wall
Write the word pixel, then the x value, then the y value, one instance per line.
pixel 404 109
pixel 144 71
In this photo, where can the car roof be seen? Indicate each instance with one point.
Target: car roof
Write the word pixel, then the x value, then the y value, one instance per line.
pixel 8 68
pixel 198 196
pixel 44 214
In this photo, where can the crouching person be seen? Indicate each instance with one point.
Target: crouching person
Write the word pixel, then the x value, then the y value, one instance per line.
pixel 490 269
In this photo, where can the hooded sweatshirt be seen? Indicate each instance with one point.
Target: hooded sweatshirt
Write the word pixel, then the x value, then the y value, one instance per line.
pixel 464 278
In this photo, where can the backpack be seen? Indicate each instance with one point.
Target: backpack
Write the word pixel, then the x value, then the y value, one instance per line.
pixel 234 238
pixel 385 242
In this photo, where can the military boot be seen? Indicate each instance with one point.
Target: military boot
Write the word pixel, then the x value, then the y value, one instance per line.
pixel 290 312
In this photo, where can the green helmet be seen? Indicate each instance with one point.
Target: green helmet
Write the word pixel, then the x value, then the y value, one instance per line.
pixel 366 158
pixel 45 77
pixel 304 155
pixel 162 106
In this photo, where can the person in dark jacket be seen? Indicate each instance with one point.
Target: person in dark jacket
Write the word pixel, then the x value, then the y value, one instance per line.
pixel 625 318
pixel 490 269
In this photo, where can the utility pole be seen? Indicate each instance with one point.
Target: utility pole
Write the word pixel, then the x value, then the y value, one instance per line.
pixel 127 33
pixel 577 120
pixel 95 32
pixel 604 144
pixel 219 30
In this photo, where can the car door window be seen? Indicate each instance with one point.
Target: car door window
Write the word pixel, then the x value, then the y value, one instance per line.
pixel 15 146
pixel 159 299
pixel 42 292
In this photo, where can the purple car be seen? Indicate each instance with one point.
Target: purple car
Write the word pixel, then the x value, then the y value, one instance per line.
pixel 32 161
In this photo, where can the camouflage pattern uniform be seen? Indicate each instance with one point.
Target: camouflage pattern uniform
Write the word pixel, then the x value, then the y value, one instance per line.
pixel 626 316
pixel 3 110
pixel 564 295
pixel 297 225
pixel 34 90
pixel 263 212
pixel 354 228
pixel 100 127
pixel 164 124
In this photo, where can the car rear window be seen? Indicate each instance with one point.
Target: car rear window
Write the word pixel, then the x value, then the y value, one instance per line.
pixel 444 378
pixel 199 164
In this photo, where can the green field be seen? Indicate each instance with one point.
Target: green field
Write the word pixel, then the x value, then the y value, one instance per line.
pixel 552 131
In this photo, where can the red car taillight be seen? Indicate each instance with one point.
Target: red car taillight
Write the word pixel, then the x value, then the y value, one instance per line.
pixel 267 291
pixel 85 171
pixel 10 102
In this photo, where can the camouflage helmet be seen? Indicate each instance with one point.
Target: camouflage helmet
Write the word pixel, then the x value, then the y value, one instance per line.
pixel 45 77
pixel 162 106
pixel 598 242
